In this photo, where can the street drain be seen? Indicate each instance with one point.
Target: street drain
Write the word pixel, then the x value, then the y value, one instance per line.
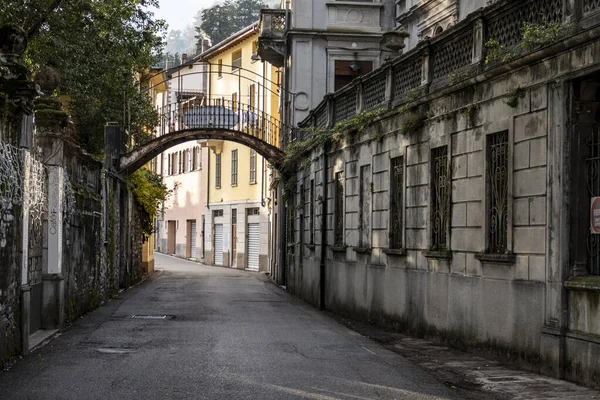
pixel 137 316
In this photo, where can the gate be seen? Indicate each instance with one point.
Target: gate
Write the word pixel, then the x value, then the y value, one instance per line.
pixel 253 249
pixel 193 250
pixel 218 245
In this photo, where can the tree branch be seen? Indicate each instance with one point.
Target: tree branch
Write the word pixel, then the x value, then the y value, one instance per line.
pixel 36 18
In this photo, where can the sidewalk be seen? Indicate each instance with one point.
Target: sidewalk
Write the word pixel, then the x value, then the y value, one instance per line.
pixel 474 377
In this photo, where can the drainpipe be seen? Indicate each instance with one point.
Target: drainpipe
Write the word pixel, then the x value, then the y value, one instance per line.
pixel 323 231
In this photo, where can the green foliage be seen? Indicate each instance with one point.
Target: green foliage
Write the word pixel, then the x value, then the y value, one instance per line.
pixel 496 51
pixel 457 76
pixel 514 96
pixel 537 35
pixel 222 20
pixel 99 47
pixel 149 192
pixel 318 136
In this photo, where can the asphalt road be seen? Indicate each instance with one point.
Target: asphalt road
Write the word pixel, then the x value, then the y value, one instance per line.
pixel 233 335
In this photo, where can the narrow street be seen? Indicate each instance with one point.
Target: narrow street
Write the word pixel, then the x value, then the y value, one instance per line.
pixel 228 334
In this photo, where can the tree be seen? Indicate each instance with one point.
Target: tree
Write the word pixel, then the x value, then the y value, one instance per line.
pixel 98 47
pixel 223 20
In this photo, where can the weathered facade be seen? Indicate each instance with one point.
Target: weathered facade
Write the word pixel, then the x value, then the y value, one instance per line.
pixel 66 240
pixel 455 201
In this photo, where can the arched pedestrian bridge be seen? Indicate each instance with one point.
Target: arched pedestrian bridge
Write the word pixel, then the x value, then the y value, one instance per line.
pixel 206 118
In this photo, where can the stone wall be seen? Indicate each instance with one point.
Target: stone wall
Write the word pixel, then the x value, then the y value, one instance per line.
pixel 510 302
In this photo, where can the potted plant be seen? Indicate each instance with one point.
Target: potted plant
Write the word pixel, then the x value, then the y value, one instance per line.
pixel 394 40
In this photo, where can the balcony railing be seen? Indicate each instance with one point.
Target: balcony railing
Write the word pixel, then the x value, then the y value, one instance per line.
pixel 454 56
pixel 272 23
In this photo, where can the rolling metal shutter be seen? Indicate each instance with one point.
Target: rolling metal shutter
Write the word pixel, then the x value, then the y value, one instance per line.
pixel 218 244
pixel 193 252
pixel 253 246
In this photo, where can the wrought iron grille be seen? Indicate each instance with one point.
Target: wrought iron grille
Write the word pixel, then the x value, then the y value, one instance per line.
pixel 338 233
pixel 590 5
pixel 452 55
pixel 497 149
pixel 321 116
pixel 278 22
pixel 396 202
pixel 592 164
pixel 374 91
pixel 345 105
pixel 506 28
pixel 407 75
pixel 440 198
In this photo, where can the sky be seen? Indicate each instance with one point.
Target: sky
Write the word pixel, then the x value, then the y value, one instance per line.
pixel 179 13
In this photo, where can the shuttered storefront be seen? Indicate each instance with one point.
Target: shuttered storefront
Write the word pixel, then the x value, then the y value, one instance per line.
pixel 218 244
pixel 193 251
pixel 253 246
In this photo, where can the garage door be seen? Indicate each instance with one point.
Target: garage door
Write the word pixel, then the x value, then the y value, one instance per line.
pixel 193 240
pixel 253 245
pixel 218 244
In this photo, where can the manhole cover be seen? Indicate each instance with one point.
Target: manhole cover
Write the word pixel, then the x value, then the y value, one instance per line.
pixel 153 316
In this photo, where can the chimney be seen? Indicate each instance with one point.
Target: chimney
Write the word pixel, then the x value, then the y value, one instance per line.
pixel 183 58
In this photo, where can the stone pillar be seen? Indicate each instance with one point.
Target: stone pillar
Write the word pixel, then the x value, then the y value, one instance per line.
pixel 556 314
pixel 25 287
pixel 477 41
pixel 53 282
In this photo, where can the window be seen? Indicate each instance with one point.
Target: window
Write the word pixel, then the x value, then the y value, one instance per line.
pixel 169 164
pixel 396 202
pixel 311 206
pixel 497 198
pixel 173 163
pixel 252 166
pixel 234 167
pixel 220 68
pixel 218 171
pixel 190 160
pixel 194 158
pixel 236 60
pixel 253 211
pixel 234 102
pixel 338 226
pixel 364 210
pixel 347 70
pixel 217 213
pixel 233 216
pixel 440 198
pixel 180 163
pixel 198 163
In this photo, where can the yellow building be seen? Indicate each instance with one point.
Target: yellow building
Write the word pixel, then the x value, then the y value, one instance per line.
pixel 237 222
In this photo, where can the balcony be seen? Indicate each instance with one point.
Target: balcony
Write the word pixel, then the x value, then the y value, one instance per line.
pixel 271 42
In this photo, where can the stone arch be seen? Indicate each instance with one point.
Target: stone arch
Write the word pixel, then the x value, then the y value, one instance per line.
pixel 135 159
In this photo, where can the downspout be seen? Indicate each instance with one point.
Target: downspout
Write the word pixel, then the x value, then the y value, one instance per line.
pixel 323 265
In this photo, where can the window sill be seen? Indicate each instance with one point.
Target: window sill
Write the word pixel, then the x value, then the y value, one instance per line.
pixel 437 254
pixel 395 252
pixel 362 250
pixel 252 183
pixel 583 283
pixel 506 259
pixel 339 248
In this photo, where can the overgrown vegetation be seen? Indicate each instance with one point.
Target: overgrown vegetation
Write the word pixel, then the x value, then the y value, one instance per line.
pixel 514 96
pixel 318 136
pixel 496 51
pixel 149 192
pixel 99 48
pixel 538 35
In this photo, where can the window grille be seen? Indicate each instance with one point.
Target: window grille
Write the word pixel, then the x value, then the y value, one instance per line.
pixel 339 209
pixel 497 171
pixel 252 166
pixel 218 171
pixel 396 202
pixel 440 198
pixel 234 167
